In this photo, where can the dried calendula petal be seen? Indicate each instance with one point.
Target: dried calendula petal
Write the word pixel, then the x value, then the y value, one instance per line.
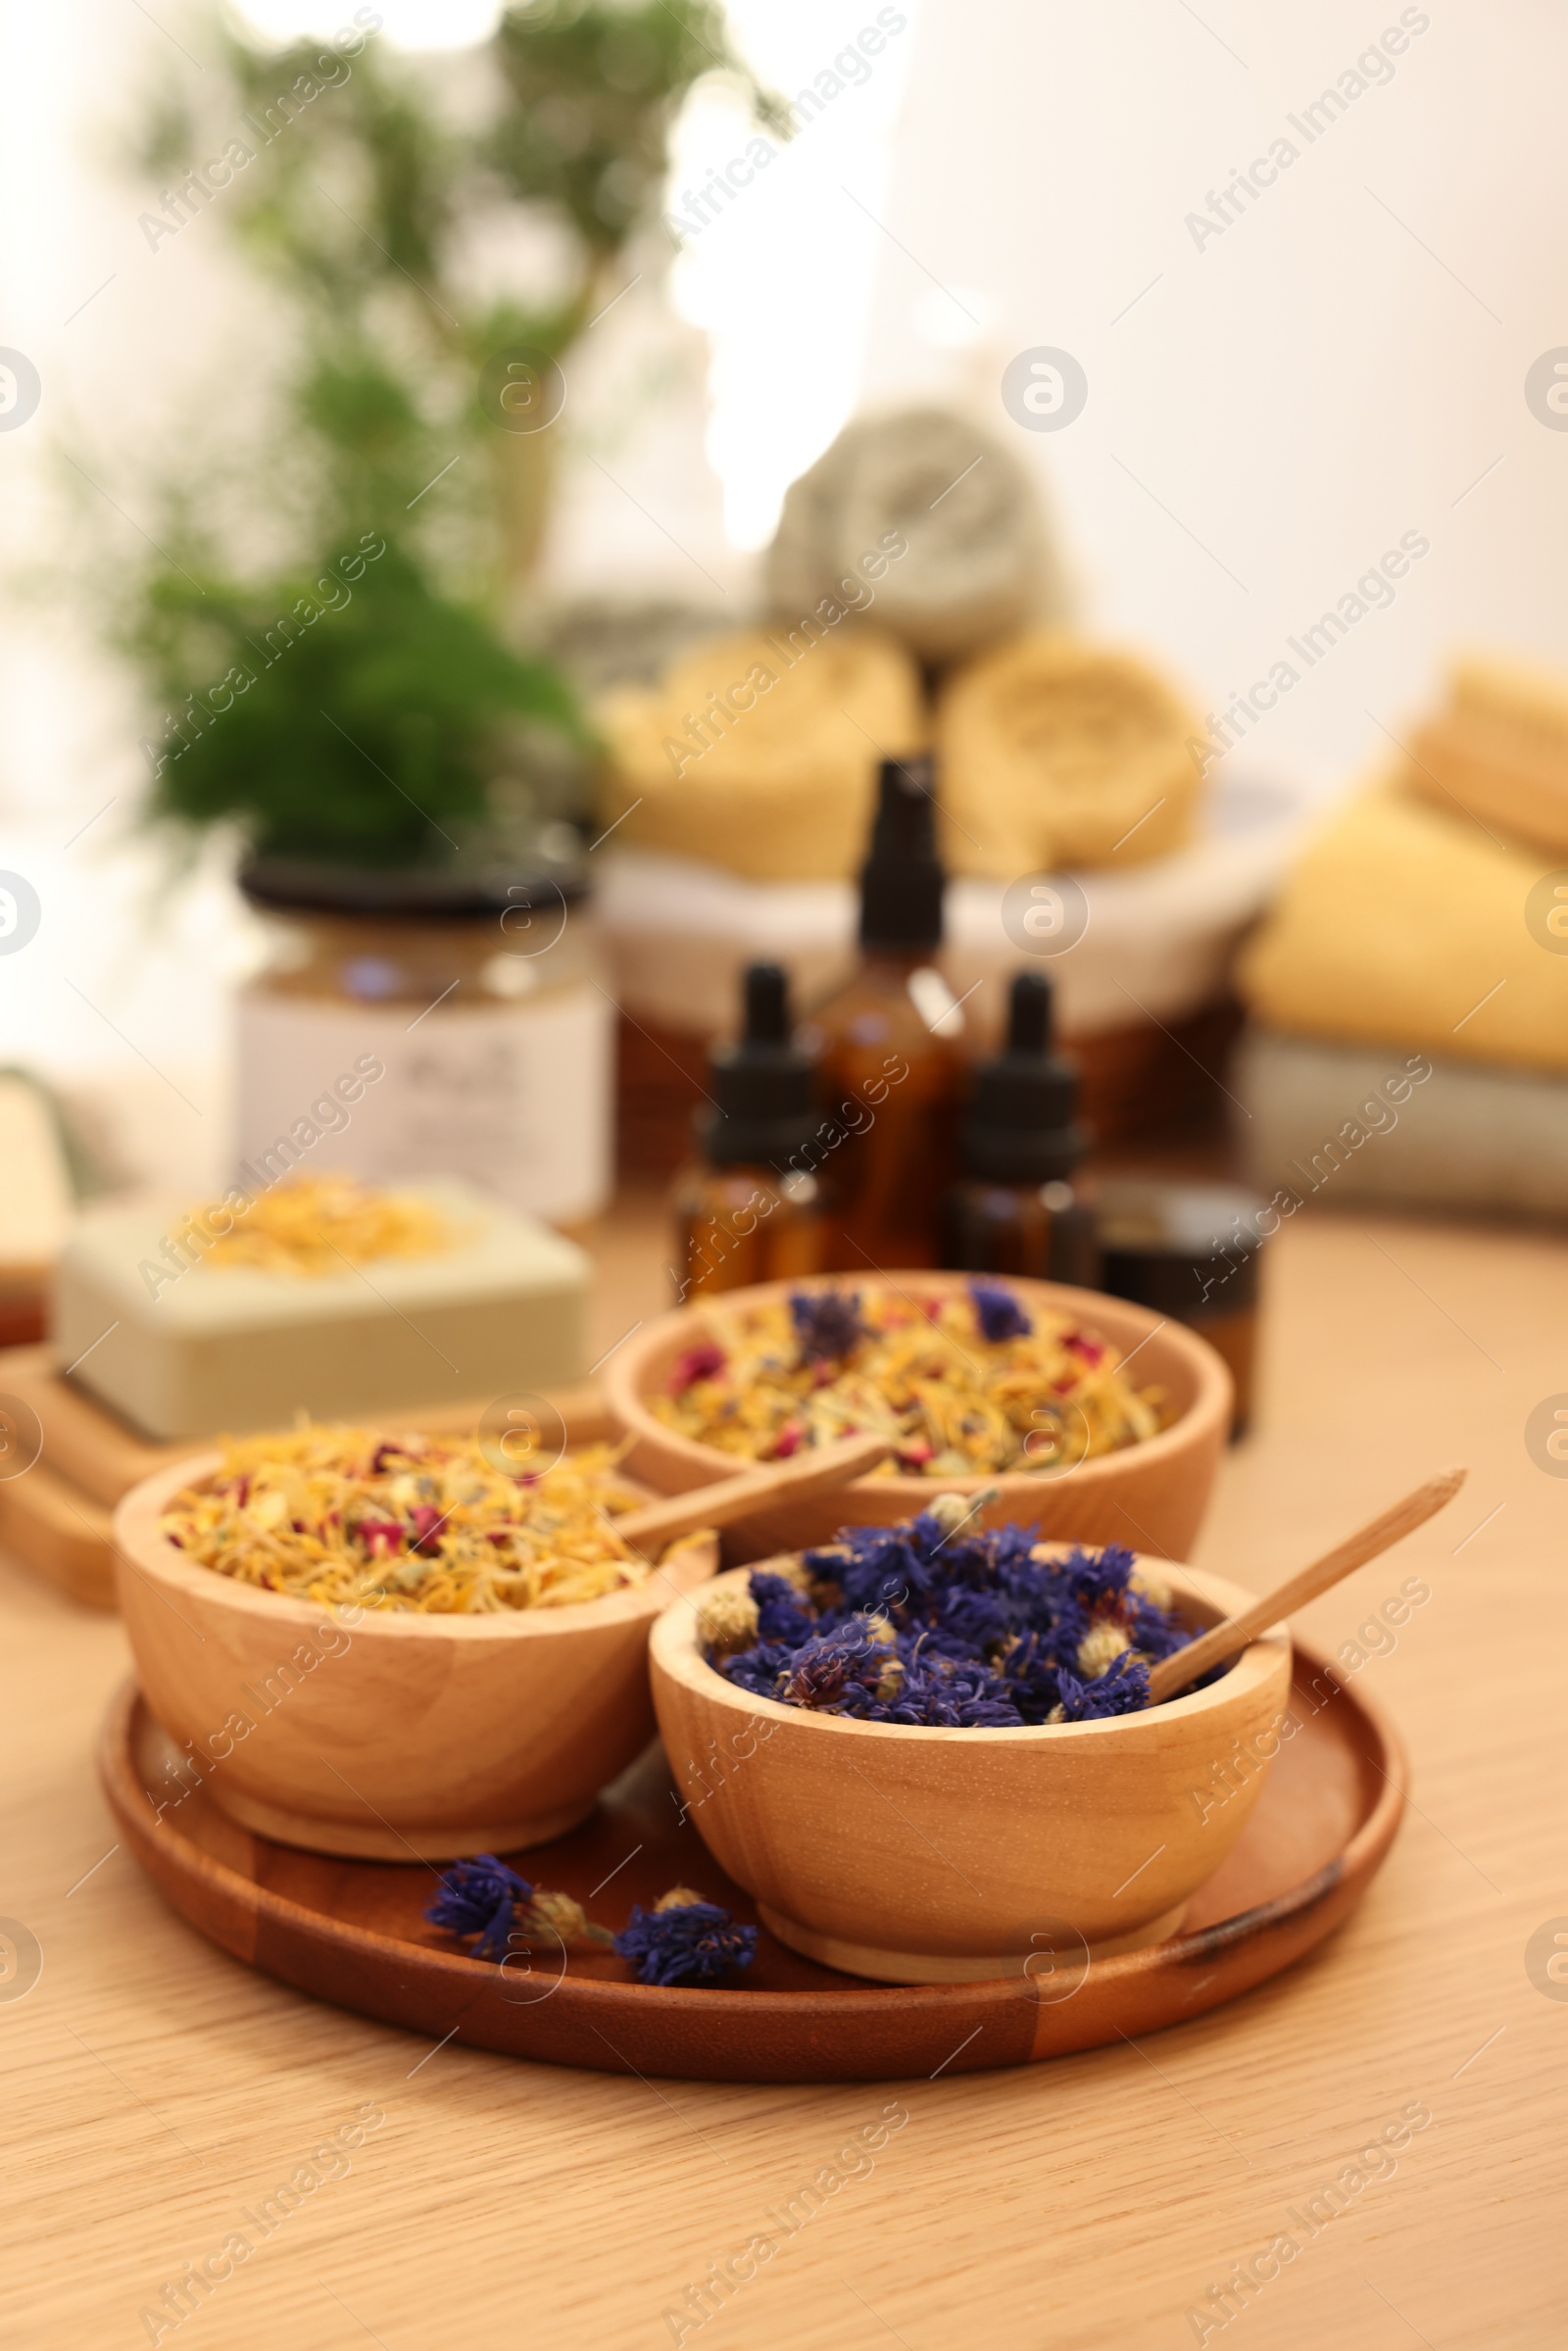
pixel 344 1518
pixel 317 1225
pixel 962 1383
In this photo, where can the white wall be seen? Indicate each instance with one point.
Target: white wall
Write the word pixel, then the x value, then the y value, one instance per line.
pixel 1303 387
pixel 1299 392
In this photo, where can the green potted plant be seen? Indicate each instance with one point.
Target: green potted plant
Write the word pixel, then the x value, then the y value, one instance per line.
pixel 359 701
pixel 333 630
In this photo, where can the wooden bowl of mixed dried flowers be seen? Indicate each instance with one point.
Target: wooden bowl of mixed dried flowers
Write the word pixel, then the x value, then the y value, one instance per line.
pixel 401 1647
pixel 1085 1415
pixel 928 1750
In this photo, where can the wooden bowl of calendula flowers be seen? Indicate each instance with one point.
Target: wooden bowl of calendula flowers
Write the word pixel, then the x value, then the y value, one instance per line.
pixel 1086 1416
pixel 397 1648
pixel 951 1768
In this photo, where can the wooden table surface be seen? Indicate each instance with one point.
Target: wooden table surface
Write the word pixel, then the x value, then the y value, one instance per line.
pixel 154 2088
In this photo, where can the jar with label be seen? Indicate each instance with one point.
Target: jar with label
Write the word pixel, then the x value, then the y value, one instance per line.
pixel 471 1006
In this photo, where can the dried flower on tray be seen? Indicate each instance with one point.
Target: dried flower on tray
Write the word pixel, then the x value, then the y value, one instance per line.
pixel 684 1939
pixel 344 1518
pixel 964 1384
pixel 486 1899
pixel 923 1623
pixel 479 1897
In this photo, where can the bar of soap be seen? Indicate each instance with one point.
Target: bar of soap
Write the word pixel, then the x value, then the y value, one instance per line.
pixel 230 1349
pixel 35 1198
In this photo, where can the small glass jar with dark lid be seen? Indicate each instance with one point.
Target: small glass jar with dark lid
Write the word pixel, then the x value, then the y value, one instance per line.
pixel 1191 1251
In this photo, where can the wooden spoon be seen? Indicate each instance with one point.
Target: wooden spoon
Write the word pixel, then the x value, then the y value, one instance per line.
pixel 823 1466
pixel 1224 1640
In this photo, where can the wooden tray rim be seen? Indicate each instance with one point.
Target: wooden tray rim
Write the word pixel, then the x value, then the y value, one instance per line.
pixel 1347 1872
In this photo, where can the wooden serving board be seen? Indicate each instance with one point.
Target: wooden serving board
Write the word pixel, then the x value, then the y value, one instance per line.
pixel 57 1517
pixel 352 1933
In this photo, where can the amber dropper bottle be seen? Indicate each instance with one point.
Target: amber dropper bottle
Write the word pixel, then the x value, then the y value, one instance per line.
pixel 1013 1208
pixel 891 1074
pixel 750 1208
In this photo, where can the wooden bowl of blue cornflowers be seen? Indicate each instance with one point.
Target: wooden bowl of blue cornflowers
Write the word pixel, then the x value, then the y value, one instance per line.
pixel 930 1754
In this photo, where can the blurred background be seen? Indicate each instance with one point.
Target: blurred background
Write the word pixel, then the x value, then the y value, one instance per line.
pixel 392 401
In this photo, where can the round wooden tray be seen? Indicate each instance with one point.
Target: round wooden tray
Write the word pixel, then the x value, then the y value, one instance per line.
pixel 351 1932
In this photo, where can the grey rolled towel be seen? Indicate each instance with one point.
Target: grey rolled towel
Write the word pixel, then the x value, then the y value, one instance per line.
pixel 979 558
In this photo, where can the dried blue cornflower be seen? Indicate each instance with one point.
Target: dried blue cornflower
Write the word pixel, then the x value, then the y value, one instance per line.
pixel 998 1313
pixel 969 1623
pixel 952 1694
pixel 1099 1577
pixel 962 1629
pixel 1029 1673
pixel 783 1613
pixel 761 1670
pixel 684 1939
pixel 836 1672
pixel 478 1897
pixel 827 1324
pixel 1151 1629
pixel 1122 1689
pixel 893 1569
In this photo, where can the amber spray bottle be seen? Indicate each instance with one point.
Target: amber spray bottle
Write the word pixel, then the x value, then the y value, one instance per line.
pixel 1013 1208
pixel 749 1210
pixel 890 1073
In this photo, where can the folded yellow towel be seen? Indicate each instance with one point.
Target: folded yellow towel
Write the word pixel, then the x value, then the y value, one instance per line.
pixel 1500 750
pixel 1405 923
pixel 758 752
pixel 1058 754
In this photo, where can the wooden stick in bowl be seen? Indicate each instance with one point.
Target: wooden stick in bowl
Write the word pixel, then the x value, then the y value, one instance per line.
pixel 825 1465
pixel 1223 1640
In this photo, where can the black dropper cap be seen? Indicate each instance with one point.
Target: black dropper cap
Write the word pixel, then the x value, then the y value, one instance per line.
pixel 901 879
pixel 1021 1124
pixel 762 1088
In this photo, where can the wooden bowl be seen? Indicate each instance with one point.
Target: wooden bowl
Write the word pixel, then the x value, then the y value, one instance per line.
pixel 1151 1495
pixel 927 1856
pixel 388 1736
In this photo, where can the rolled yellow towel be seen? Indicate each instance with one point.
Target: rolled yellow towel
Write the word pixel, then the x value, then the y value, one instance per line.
pixel 758 752
pixel 1405 924
pixel 1057 754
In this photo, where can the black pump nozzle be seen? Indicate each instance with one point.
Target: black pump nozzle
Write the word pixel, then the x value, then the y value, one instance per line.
pixel 767 994
pixel 1022 1127
pixel 1029 1014
pixel 901 879
pixel 761 1087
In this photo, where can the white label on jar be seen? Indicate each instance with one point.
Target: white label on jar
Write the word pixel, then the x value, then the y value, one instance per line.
pixel 513 1097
